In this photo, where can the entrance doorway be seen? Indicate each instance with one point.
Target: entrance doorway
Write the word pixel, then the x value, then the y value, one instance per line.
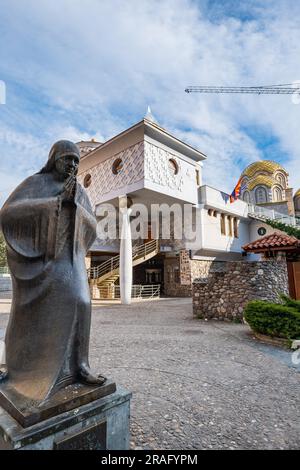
pixel 294 279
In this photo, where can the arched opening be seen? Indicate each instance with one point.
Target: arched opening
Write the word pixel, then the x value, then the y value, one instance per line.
pixel 281 180
pixel 117 166
pixel 87 181
pixel 246 197
pixel 261 195
pixel 277 194
pixel 173 166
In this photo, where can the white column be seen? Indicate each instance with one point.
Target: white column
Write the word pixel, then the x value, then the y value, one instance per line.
pixel 125 252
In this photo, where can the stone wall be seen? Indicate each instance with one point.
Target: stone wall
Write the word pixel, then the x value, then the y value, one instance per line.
pixel 230 286
pixel 200 268
pixel 173 278
pixel 179 284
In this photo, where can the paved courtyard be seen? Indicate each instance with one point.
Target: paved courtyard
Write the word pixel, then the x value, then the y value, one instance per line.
pixel 195 385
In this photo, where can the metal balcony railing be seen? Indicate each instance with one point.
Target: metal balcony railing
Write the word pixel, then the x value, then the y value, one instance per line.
pixel 113 264
pixel 137 292
pixel 265 213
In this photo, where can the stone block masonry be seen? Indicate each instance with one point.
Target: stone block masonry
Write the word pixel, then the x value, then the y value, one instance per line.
pixel 180 271
pixel 224 294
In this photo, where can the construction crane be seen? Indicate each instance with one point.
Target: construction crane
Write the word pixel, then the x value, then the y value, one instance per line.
pixel 289 89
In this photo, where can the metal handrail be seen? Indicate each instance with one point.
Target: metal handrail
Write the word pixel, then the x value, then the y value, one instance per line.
pixel 265 213
pixel 113 264
pixel 137 291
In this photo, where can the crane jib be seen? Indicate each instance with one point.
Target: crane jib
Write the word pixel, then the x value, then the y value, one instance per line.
pixel 259 90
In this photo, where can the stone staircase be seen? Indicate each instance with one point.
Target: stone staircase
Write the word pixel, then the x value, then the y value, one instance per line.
pixel 102 278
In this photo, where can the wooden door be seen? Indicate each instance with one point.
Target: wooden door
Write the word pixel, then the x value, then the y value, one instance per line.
pixel 296 266
pixel 294 279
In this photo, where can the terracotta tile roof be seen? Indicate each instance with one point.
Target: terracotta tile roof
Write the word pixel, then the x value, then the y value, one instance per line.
pixel 274 241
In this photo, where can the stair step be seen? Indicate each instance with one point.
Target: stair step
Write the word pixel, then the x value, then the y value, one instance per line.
pixel 139 256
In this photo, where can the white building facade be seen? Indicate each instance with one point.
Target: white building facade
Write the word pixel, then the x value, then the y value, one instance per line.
pixel 140 170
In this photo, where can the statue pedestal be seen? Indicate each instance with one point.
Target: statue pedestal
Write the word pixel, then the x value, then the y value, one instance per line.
pixel 102 424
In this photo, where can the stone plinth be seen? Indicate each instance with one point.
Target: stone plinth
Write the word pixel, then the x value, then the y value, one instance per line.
pixel 100 425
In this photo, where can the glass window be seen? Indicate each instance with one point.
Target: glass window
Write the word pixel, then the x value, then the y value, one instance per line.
pixel 223 227
pixel 117 166
pixel 173 167
pixel 229 221
pixel 246 197
pixel 235 227
pixel 261 195
pixel 277 195
pixel 87 181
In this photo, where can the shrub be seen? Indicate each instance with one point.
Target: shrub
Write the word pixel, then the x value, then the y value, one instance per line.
pixel 282 321
pixel 289 229
pixel 3 261
pixel 290 302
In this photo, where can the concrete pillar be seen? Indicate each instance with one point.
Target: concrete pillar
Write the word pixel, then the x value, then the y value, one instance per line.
pixel 125 252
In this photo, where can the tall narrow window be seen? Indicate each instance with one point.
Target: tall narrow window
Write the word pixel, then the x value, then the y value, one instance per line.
pixel 246 197
pixel 229 221
pixel 223 227
pixel 197 177
pixel 235 228
pixel 277 194
pixel 261 195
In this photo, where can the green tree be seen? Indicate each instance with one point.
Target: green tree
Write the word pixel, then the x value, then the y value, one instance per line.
pixel 3 260
pixel 289 229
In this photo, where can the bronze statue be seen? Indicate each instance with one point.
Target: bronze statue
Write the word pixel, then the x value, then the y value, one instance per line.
pixel 49 225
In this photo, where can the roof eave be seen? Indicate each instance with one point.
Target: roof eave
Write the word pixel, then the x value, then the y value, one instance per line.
pixel 193 153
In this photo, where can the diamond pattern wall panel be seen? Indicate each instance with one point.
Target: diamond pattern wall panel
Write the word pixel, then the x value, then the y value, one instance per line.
pixel 157 167
pixel 103 179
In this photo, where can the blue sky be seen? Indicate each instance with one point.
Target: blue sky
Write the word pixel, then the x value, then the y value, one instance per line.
pixel 79 70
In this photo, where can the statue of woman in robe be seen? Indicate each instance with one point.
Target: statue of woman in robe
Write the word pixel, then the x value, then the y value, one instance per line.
pixel 49 225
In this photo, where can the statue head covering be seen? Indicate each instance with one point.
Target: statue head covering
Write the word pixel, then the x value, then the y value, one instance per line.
pixel 60 149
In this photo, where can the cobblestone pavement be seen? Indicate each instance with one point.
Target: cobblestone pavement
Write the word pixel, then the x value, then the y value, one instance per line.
pixel 195 384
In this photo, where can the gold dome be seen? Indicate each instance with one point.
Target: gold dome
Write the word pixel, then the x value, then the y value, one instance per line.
pixel 261 180
pixel 297 193
pixel 267 166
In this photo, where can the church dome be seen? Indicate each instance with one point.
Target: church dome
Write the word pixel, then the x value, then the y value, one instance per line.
pixel 265 182
pixel 261 180
pixel 297 193
pixel 263 166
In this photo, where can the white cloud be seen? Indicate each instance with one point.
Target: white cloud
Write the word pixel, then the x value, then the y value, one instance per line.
pixel 96 65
